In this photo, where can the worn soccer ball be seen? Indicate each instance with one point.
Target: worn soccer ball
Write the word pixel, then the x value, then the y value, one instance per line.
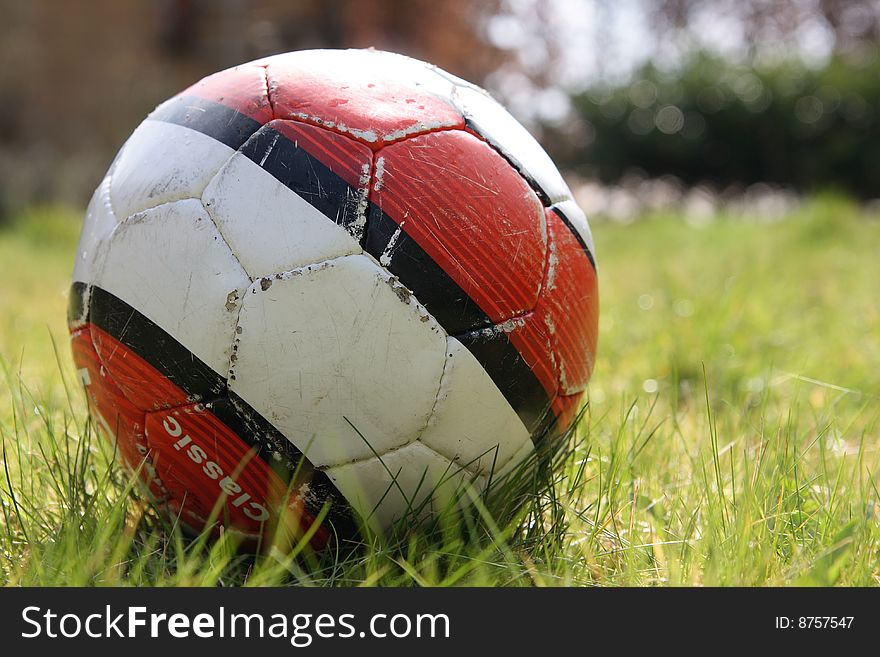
pixel 332 285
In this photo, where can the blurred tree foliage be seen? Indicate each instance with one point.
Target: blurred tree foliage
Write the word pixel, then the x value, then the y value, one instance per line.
pixel 850 24
pixel 713 120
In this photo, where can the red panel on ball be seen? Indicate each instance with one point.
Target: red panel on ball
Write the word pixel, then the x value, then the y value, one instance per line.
pixel 569 306
pixel 119 419
pixel 203 463
pixel 471 213
pixel 139 381
pixel 242 89
pixel 371 105
pixel 344 157
pixel 565 408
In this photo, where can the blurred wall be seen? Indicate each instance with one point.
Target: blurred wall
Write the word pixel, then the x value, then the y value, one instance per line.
pixel 78 75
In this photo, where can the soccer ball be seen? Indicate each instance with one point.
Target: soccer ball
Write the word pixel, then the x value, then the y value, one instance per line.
pixel 330 289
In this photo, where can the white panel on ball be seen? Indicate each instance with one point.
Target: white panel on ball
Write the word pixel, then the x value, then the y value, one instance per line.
pixel 411 481
pixel 335 343
pixel 269 227
pixel 518 464
pixel 473 425
pixel 171 264
pixel 99 223
pixel 164 162
pixel 508 135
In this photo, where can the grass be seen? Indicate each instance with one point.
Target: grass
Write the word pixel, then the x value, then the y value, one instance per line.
pixel 731 437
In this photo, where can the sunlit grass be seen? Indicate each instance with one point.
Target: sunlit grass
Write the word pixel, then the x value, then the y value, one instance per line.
pixel 731 438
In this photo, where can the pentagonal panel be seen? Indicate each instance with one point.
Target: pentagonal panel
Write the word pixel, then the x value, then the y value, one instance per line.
pixel 164 162
pixel 373 96
pixel 473 425
pixel 411 482
pixel 340 357
pixel 280 206
pixel 492 121
pixel 171 265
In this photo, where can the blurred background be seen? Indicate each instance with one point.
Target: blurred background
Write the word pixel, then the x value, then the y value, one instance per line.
pixel 744 105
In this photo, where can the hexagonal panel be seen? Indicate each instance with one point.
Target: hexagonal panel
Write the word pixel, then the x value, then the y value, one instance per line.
pixel 412 482
pixel 375 97
pixel 164 162
pixel 172 265
pixel 457 223
pixel 473 425
pixel 99 223
pixel 489 119
pixel 518 358
pixel 280 207
pixel 569 305
pixel 518 465
pixel 326 351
